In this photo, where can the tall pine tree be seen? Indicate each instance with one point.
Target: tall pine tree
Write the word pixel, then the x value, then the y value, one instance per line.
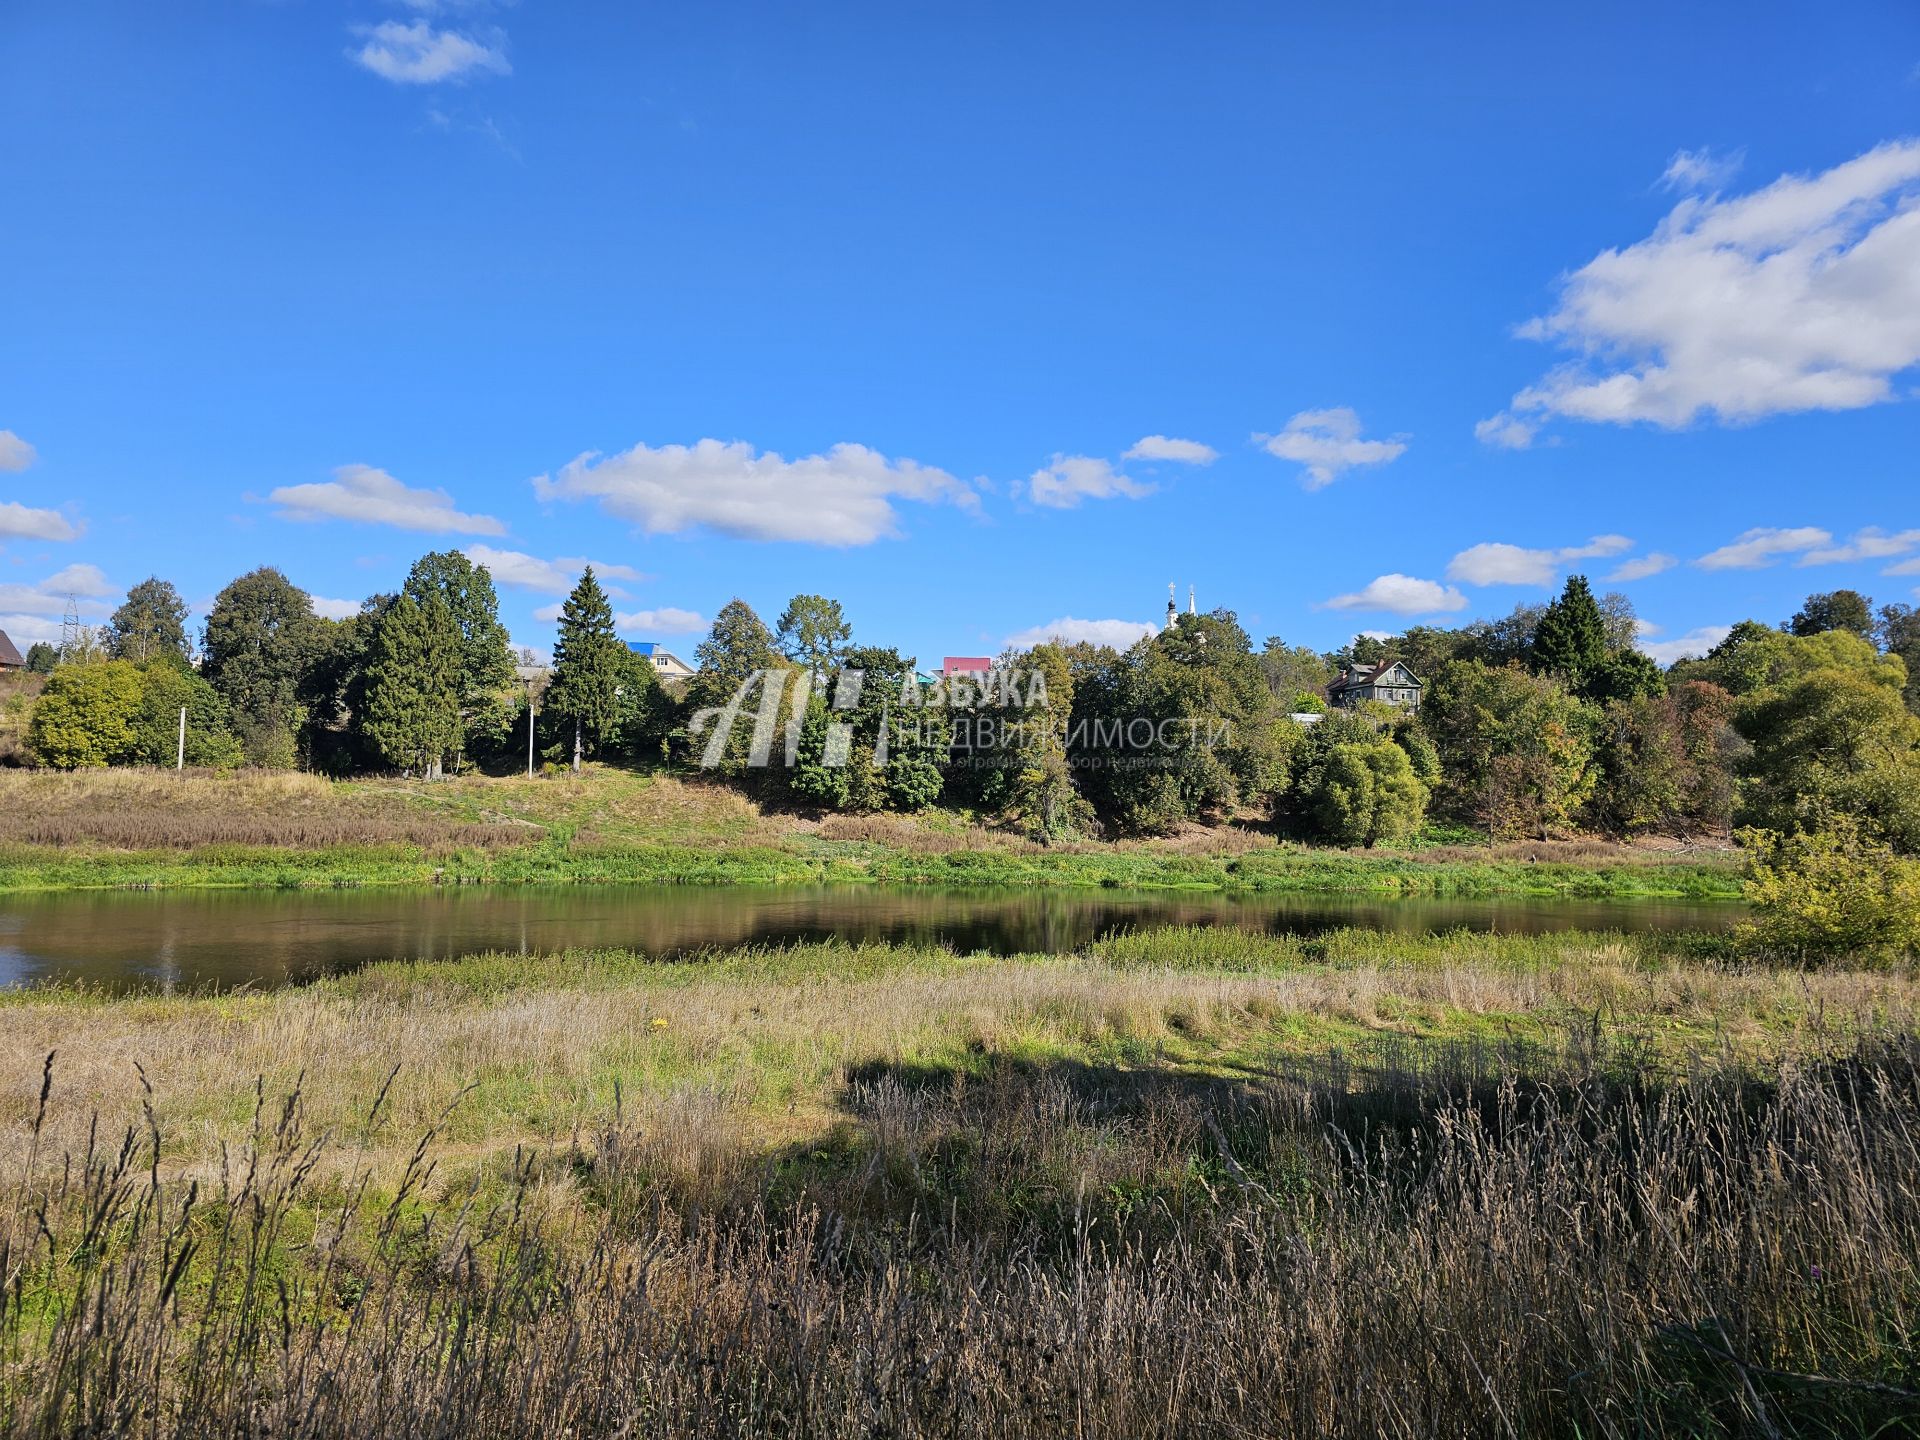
pixel 413 685
pixel 1571 638
pixel 587 667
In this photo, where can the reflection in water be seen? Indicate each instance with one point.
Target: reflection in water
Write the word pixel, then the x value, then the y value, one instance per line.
pixel 226 938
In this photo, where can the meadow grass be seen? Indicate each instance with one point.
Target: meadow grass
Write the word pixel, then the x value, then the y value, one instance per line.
pixel 1186 1182
pixel 155 829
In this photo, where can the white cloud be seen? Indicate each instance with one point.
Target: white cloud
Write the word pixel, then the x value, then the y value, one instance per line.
pixel 1690 171
pixel 25 630
pixel 373 497
pixel 1803 295
pixel 1905 567
pixel 15 453
pixel 1869 544
pixel 417 54
pixel 21 523
pixel 841 498
pixel 1069 479
pixel 665 621
pixel 1328 444
pixel 1401 595
pixel 1506 432
pixel 49 596
pixel 1642 566
pixel 334 609
pixel 1693 643
pixel 1758 548
pixel 1494 563
pixel 1163 447
pixel 1068 631
pixel 550 577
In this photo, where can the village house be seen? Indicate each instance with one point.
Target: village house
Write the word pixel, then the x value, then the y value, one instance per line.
pixel 1389 682
pixel 10 657
pixel 666 664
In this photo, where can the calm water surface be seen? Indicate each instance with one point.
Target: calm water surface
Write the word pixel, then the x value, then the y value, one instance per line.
pixel 205 939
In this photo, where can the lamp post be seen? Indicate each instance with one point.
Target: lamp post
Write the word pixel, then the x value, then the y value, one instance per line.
pixel 535 676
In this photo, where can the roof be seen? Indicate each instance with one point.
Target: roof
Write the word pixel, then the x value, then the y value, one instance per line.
pixel 1358 677
pixel 966 665
pixel 9 655
pixel 643 647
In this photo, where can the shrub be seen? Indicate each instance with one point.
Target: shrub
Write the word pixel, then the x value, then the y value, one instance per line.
pixel 84 718
pixel 1366 793
pixel 1831 892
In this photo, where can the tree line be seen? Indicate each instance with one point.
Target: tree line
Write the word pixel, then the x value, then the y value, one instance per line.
pixel 1545 721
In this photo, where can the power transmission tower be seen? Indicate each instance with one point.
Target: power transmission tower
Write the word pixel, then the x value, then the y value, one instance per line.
pixel 72 634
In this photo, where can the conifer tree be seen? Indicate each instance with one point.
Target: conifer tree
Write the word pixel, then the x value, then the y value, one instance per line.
pixel 1571 638
pixel 486 656
pixel 587 667
pixel 413 715
pixel 738 645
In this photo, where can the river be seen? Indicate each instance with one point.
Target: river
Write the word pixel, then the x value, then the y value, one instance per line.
pixel 222 939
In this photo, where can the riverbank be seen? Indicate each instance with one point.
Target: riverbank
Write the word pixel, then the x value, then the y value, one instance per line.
pixel 157 830
pixel 1179 1181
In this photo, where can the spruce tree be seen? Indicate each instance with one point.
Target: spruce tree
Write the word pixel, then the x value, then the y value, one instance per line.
pixel 587 667
pixel 738 645
pixel 413 716
pixel 1571 638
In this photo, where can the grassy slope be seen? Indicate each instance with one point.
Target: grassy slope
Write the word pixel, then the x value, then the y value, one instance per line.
pixel 833 1151
pixel 765 1040
pixel 149 829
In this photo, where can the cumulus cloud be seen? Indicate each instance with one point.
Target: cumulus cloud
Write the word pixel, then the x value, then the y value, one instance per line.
pixel 549 577
pixel 664 621
pixel 31 613
pixel 15 453
pixel 1869 544
pixel 1164 447
pixel 1642 566
pixel 373 497
pixel 844 497
pixel 1068 479
pixel 334 609
pixel 1799 296
pixel 1401 595
pixel 1494 563
pixel 50 596
pixel 1691 171
pixel 1684 647
pixel 415 53
pixel 1760 547
pixel 1068 631
pixel 1328 443
pixel 19 522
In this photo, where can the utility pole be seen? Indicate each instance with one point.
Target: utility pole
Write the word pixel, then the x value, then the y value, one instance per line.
pixel 529 730
pixel 576 745
pixel 180 755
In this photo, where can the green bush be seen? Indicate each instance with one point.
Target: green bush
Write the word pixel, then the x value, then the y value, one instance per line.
pixel 1834 892
pixel 85 716
pixel 1366 793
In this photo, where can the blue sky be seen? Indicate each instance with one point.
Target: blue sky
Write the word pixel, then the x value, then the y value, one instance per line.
pixel 988 320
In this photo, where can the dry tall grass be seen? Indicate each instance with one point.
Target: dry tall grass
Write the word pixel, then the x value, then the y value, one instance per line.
pixel 1462 1248
pixel 131 809
pixel 839 1191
